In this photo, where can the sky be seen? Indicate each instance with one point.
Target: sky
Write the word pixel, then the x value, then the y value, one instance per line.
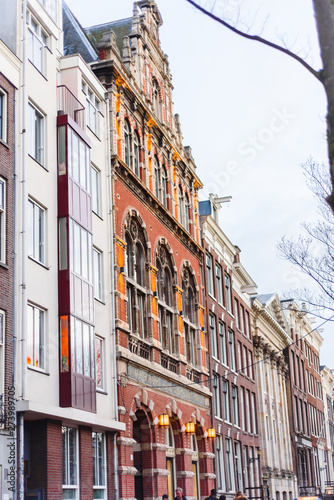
pixel 251 115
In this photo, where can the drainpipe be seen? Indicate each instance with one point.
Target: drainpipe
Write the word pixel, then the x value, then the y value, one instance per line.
pixel 15 301
pixel 23 249
pixel 113 302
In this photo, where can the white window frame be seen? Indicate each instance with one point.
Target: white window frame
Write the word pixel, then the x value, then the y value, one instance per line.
pixel 3 220
pixel 38 41
pixel 36 337
pixel 213 336
pixel 219 290
pixel 226 400
pixel 67 485
pixel 96 190
pixel 231 349
pixel 209 273
pixel 36 240
pixel 216 395
pixel 228 291
pixel 51 8
pixel 93 109
pixel 100 348
pixel 229 465
pixel 220 463
pixel 36 144
pixel 102 488
pixel 3 115
pixel 98 273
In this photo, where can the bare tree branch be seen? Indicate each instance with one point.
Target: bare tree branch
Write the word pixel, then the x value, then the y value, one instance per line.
pixel 314 72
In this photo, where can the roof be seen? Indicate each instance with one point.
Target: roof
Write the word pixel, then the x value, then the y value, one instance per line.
pixel 75 38
pixel 121 29
pixel 264 298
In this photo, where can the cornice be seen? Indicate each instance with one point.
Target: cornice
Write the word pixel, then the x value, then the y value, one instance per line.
pixel 260 310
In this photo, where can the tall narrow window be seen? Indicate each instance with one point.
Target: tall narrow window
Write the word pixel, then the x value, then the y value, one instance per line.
pixel 165 301
pixel 3 115
pixel 216 395
pixel 93 105
pixel 156 177
pixel 155 98
pixel 220 469
pixel 238 465
pixel 36 134
pixel 226 400
pixel 213 336
pixel 181 207
pixel 37 41
pixel 236 313
pixel 97 273
pixel 231 349
pixel 136 153
pixel 219 288
pixel 186 212
pixel 126 143
pixel 99 465
pixel 228 292
pixel 164 186
pixel 189 316
pixel 222 336
pixel 2 220
pixel 70 463
pixel 229 465
pixel 36 235
pixel 209 273
pixel 235 409
pixel 35 337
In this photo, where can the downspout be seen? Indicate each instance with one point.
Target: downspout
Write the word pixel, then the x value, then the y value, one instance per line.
pixel 15 246
pixel 113 302
pixel 23 249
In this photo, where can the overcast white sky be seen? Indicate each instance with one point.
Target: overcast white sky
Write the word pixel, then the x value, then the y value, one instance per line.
pixel 251 116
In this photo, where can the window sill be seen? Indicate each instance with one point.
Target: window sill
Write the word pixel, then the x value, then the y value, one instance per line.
pixel 94 133
pixel 39 263
pixel 38 163
pixel 5 266
pixel 97 215
pixel 38 370
pixel 101 391
pixel 39 71
pixel 100 301
pixel 4 143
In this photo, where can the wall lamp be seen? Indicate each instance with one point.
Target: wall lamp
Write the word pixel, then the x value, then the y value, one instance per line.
pixel 164 420
pixel 211 432
pixel 251 460
pixel 190 427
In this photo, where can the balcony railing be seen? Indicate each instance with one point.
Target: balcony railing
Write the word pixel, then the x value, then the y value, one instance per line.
pixel 139 347
pixel 168 363
pixel 68 104
pixel 193 375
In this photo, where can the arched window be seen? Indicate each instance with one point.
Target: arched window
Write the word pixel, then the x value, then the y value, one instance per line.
pixel 136 257
pixel 164 185
pixel 186 212
pixel 155 98
pixel 181 206
pixel 189 318
pixel 166 309
pixel 136 153
pixel 126 143
pixel 156 176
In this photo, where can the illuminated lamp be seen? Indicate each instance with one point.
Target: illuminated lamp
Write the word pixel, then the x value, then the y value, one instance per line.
pixel 164 420
pixel 212 432
pixel 190 427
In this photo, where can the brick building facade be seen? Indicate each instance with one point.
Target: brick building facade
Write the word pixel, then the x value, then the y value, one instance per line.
pixel 232 372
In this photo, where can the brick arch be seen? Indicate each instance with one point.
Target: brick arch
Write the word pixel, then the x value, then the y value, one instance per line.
pixel 131 212
pixel 185 264
pixel 161 241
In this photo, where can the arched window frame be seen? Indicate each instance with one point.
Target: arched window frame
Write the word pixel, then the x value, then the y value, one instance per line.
pixel 164 185
pixel 136 146
pixel 135 269
pixel 156 98
pixel 189 316
pixel 156 177
pixel 181 206
pixel 166 300
pixel 186 211
pixel 127 143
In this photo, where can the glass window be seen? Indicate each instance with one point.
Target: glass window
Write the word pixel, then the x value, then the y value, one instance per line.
pixel 247 325
pixel 236 313
pixel 36 236
pixel 97 273
pixel 70 463
pixel 238 465
pixel 222 336
pixel 36 134
pixel 235 409
pixel 242 408
pixel 93 105
pixel 37 41
pixel 80 251
pixel 226 400
pixel 35 337
pixel 126 143
pixel 216 395
pixel 228 292
pixel 209 271
pixel 2 220
pixel 219 289
pixel 99 355
pixel 229 465
pixel 164 186
pixel 99 465
pixel 156 177
pixel 220 471
pixel 181 207
pixel 242 318
pixel 231 349
pixel 213 336
pixel 3 115
pixel 186 212
pixel 82 342
pixel 136 153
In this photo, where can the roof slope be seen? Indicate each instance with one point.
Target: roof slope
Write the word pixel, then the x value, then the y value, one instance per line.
pixel 75 38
